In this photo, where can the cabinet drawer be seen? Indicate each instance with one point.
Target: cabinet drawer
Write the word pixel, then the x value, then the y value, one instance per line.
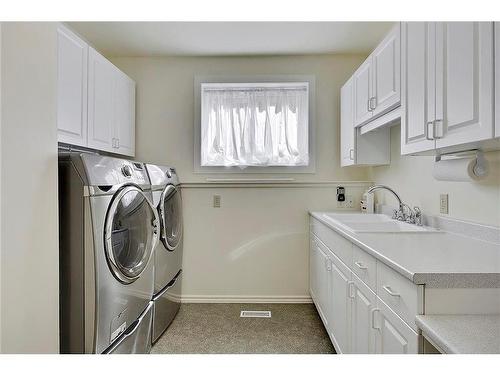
pixel 400 294
pixel 341 247
pixel 365 267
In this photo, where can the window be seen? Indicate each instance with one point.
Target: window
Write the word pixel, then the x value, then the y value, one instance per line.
pixel 258 124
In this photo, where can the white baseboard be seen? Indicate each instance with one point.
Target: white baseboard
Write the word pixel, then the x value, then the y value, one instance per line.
pixel 244 299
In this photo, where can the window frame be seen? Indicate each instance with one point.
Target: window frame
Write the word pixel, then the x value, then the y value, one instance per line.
pixel 254 79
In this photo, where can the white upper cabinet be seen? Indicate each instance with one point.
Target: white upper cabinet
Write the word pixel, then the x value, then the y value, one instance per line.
pixel 377 87
pixel 497 79
pixel 372 148
pixel 386 66
pixel 101 134
pixel 71 88
pixel 124 113
pixel 418 94
pixel 464 83
pixel 347 130
pixel 96 101
pixel 363 92
pixel 447 86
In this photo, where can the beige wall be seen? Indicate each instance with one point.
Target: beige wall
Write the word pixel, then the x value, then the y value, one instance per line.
pixel 253 248
pixel 411 177
pixel 29 243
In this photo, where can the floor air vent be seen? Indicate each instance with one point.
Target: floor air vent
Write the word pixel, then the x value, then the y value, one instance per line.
pixel 255 314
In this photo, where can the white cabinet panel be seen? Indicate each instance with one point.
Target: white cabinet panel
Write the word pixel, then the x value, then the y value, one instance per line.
pixel 369 149
pixel 347 130
pixel 497 79
pixel 387 73
pixel 321 265
pixel 124 113
pixel 362 92
pixel 339 315
pixel 363 306
pixel 100 114
pixel 394 336
pixel 464 82
pixel 417 97
pixel 71 88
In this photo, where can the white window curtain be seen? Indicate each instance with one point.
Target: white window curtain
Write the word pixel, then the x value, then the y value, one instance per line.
pixel 255 125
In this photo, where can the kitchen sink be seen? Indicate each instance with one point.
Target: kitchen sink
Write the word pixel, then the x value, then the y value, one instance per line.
pixel 375 223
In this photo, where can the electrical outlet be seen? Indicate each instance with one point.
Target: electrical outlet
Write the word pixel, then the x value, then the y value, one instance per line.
pixel 349 203
pixel 443 203
pixel 217 200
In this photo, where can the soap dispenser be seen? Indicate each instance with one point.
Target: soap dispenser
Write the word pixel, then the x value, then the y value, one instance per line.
pixel 367 203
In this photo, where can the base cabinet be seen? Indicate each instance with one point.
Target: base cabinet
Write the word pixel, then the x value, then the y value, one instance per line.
pixel 364 303
pixel 339 314
pixel 393 335
pixel 355 317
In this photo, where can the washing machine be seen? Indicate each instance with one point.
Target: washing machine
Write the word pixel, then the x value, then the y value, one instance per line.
pixel 168 253
pixel 109 230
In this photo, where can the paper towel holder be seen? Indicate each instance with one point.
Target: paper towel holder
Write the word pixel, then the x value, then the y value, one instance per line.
pixel 480 168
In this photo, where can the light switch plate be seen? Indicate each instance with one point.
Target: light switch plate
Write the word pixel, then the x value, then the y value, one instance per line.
pixel 443 203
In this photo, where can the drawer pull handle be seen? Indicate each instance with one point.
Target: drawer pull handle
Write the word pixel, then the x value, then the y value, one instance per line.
pixel 389 291
pixel 373 318
pixel 350 284
pixel 361 266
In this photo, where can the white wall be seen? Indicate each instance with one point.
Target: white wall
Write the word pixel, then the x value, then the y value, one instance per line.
pixel 255 247
pixel 29 225
pixel 411 177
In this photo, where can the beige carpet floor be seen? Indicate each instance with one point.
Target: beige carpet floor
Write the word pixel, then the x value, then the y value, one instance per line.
pixel 218 328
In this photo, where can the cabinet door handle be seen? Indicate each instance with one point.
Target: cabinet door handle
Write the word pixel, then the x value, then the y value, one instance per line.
pixel 389 291
pixel 434 129
pixel 328 264
pixel 374 98
pixel 350 284
pixel 373 318
pixel 117 142
pixel 351 153
pixel 368 105
pixel 361 266
pixel 427 132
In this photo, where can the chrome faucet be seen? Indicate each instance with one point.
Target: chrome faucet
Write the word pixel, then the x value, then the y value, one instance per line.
pixel 413 217
pixel 398 214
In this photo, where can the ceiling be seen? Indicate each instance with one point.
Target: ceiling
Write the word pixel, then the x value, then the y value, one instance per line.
pixel 231 38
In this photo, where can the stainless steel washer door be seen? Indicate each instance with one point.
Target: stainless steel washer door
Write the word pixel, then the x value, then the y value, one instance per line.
pixel 131 233
pixel 170 210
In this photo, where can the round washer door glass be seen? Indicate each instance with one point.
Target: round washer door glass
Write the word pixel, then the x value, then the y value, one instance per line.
pixel 171 217
pixel 130 232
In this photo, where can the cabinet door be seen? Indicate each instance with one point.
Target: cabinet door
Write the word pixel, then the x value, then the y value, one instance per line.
pixel 386 60
pixel 347 130
pixel 339 314
pixel 100 113
pixel 418 92
pixel 364 303
pixel 362 92
pixel 321 274
pixel 394 335
pixel 313 271
pixel 497 79
pixel 464 82
pixel 72 53
pixel 124 113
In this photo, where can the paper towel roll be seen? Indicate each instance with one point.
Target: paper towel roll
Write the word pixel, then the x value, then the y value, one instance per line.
pixel 460 169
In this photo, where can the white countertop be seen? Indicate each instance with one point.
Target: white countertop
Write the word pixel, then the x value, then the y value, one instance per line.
pixel 437 259
pixel 462 334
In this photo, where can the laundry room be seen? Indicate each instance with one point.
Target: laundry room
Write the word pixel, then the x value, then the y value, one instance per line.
pixel 213 185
